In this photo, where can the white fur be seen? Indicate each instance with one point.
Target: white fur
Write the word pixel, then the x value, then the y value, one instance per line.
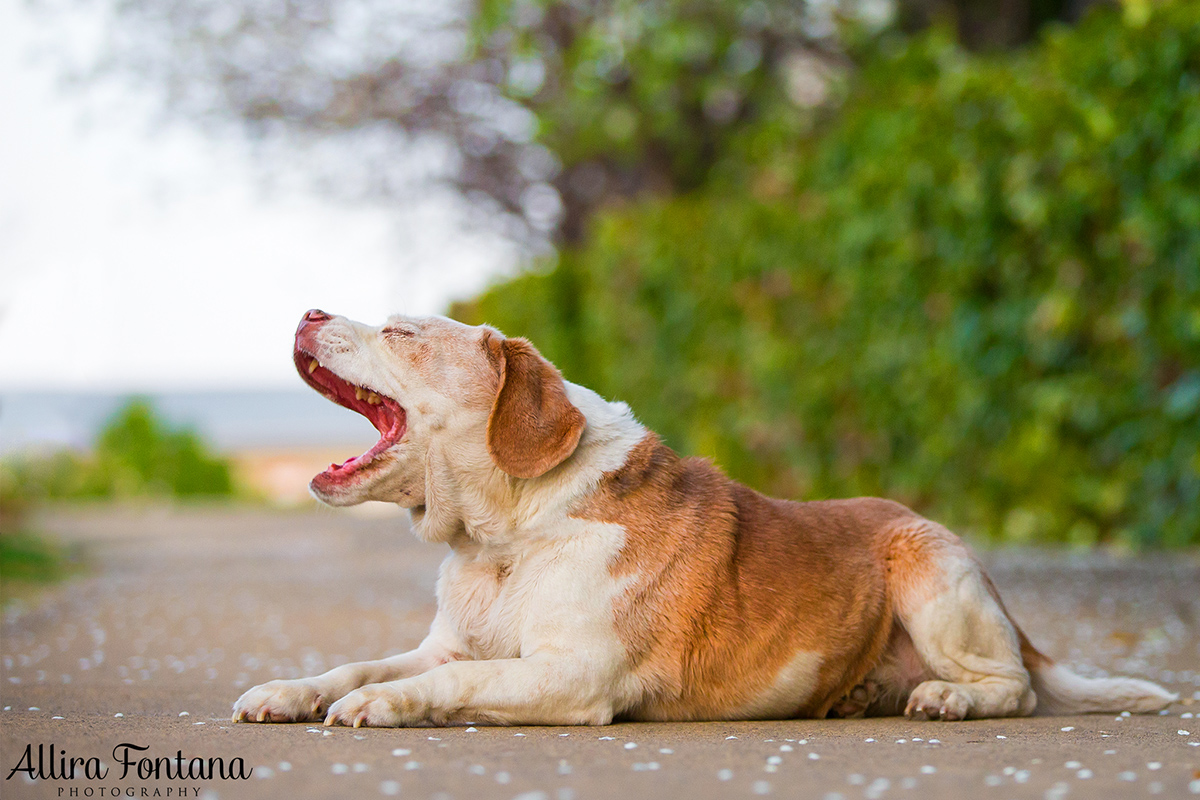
pixel 793 685
pixel 1061 691
pixel 964 638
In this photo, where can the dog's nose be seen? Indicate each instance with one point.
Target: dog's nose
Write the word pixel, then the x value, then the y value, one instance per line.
pixel 313 319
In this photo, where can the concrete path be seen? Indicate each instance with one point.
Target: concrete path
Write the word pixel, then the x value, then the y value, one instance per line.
pixel 185 609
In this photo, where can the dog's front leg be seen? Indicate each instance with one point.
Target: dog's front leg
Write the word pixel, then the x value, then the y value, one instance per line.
pixel 308 699
pixel 538 690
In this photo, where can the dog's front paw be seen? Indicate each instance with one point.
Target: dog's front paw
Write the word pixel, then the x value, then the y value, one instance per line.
pixel 380 705
pixel 281 701
pixel 938 700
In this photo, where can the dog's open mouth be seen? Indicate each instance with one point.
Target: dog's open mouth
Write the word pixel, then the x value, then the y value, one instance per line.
pixel 388 416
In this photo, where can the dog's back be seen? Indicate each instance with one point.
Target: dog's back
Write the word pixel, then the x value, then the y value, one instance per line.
pixel 739 605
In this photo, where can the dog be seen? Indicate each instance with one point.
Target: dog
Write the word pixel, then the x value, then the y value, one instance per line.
pixel 595 575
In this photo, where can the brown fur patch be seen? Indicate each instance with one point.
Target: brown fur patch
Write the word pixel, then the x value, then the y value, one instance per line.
pixel 728 586
pixel 533 427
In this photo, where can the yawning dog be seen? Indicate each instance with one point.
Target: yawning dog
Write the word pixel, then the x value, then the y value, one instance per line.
pixel 594 574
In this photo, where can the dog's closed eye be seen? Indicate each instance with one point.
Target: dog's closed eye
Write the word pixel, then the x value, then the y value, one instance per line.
pixel 405 331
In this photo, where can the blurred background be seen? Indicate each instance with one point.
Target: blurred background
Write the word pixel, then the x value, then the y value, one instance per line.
pixel 944 251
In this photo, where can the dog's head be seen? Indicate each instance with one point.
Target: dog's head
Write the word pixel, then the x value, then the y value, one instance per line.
pixel 478 399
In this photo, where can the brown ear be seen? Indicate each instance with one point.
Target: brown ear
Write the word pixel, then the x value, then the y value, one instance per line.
pixel 533 427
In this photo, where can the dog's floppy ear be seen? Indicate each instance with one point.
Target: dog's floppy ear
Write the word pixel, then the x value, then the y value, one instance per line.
pixel 533 426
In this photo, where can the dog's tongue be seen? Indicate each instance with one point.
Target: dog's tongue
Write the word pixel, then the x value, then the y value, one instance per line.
pixel 390 420
pixel 388 416
pixel 382 416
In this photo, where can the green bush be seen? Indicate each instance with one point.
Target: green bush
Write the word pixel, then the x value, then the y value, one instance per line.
pixel 136 455
pixel 976 290
pixel 28 558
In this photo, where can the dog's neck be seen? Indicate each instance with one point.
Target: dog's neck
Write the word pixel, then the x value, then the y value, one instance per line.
pixel 471 503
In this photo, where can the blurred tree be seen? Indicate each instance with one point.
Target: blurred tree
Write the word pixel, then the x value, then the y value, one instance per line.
pixel 541 110
pixel 992 24
pixel 976 289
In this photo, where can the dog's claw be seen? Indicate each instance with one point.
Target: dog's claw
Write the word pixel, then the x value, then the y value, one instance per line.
pixel 358 721
pixel 262 715
pixel 316 706
pixel 329 720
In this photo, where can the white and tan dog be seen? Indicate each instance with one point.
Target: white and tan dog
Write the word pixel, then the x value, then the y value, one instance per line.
pixel 594 574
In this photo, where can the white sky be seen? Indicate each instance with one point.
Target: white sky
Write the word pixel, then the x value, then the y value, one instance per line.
pixel 133 259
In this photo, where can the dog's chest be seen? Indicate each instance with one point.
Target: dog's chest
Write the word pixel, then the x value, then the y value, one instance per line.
pixel 489 602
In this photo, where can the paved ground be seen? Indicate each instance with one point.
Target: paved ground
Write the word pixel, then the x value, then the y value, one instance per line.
pixel 184 609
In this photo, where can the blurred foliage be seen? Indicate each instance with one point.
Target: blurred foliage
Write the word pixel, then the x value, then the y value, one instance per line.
pixel 990 24
pixel 976 290
pixel 536 112
pixel 136 455
pixel 27 558
pixel 631 96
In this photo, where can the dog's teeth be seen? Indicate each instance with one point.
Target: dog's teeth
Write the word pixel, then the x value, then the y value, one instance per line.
pixel 359 394
pixel 373 399
pixel 312 366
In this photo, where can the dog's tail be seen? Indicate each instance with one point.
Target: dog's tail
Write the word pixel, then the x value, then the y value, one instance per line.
pixel 1060 691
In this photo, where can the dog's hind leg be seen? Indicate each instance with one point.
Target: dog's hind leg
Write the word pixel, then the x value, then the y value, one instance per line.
pixel 856 702
pixel 958 627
